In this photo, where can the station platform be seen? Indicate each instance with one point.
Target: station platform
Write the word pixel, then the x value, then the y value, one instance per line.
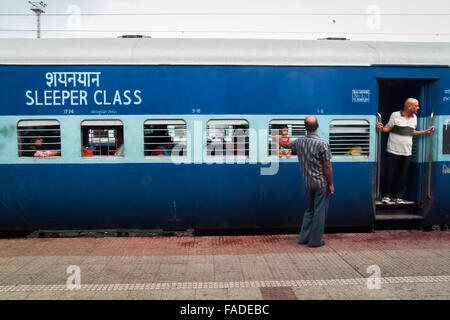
pixel 380 265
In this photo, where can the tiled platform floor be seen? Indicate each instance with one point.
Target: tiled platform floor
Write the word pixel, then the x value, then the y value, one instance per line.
pixel 412 264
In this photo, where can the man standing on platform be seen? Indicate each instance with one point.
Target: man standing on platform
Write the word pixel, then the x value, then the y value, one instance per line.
pixel 314 156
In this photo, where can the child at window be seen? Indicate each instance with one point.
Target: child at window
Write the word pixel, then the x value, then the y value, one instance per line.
pixel 283 137
pixel 37 145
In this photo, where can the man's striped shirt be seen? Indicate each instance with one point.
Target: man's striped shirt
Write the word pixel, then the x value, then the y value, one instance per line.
pixel 312 151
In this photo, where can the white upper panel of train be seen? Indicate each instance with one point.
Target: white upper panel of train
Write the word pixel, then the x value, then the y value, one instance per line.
pixel 146 51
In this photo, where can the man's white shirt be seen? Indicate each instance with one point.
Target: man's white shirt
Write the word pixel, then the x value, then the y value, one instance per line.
pixel 399 144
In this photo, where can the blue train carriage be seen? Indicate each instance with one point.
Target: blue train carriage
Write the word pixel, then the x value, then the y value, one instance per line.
pixel 117 133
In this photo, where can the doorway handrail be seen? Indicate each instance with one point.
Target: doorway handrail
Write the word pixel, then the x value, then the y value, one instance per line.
pixel 379 119
pixel 430 157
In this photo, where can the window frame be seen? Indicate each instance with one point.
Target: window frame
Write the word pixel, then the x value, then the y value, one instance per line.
pixel 445 138
pixel 367 128
pixel 38 123
pixel 167 122
pixel 97 125
pixel 239 158
pixel 283 122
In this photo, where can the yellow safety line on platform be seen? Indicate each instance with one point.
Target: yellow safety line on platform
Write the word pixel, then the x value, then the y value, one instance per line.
pixel 223 285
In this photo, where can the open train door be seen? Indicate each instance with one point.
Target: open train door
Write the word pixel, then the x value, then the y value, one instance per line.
pixel 416 192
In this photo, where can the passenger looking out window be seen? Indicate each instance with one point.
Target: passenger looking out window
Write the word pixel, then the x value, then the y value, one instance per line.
pixel 37 151
pixel 164 145
pixel 283 137
pixel 39 138
pixel 163 138
pixel 285 131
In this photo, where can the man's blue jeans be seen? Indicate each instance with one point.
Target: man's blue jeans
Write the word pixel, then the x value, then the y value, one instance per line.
pixel 314 219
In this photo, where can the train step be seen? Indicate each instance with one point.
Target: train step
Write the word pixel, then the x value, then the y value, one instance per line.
pixel 393 213
pixel 398 216
pixel 397 221
pixel 394 209
pixel 394 204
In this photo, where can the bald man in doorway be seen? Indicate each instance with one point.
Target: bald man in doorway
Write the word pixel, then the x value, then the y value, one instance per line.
pixel 314 156
pixel 401 127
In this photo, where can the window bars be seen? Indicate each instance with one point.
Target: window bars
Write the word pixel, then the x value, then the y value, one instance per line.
pixel 295 129
pixel 350 138
pixel 39 138
pixel 227 138
pixel 102 138
pixel 165 138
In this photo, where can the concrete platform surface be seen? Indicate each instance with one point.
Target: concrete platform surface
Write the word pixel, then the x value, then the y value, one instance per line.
pixel 379 265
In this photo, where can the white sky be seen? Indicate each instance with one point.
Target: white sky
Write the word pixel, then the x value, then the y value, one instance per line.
pixel 368 20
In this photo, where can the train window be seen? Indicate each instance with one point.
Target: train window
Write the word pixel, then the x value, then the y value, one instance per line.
pixel 350 138
pixel 164 138
pixel 102 138
pixel 294 130
pixel 39 138
pixel 446 139
pixel 227 138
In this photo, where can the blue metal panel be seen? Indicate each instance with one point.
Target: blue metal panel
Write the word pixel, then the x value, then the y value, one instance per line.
pixel 85 195
pixel 189 89
pixel 393 72
pixel 91 196
pixel 204 89
pixel 439 212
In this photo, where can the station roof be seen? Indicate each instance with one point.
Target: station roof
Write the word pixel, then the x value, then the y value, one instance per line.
pixel 151 51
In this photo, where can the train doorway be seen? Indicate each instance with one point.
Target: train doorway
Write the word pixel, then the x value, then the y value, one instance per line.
pixel 392 95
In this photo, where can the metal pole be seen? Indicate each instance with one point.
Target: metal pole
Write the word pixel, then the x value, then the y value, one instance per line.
pixel 378 196
pixel 38 8
pixel 38 17
pixel 430 157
